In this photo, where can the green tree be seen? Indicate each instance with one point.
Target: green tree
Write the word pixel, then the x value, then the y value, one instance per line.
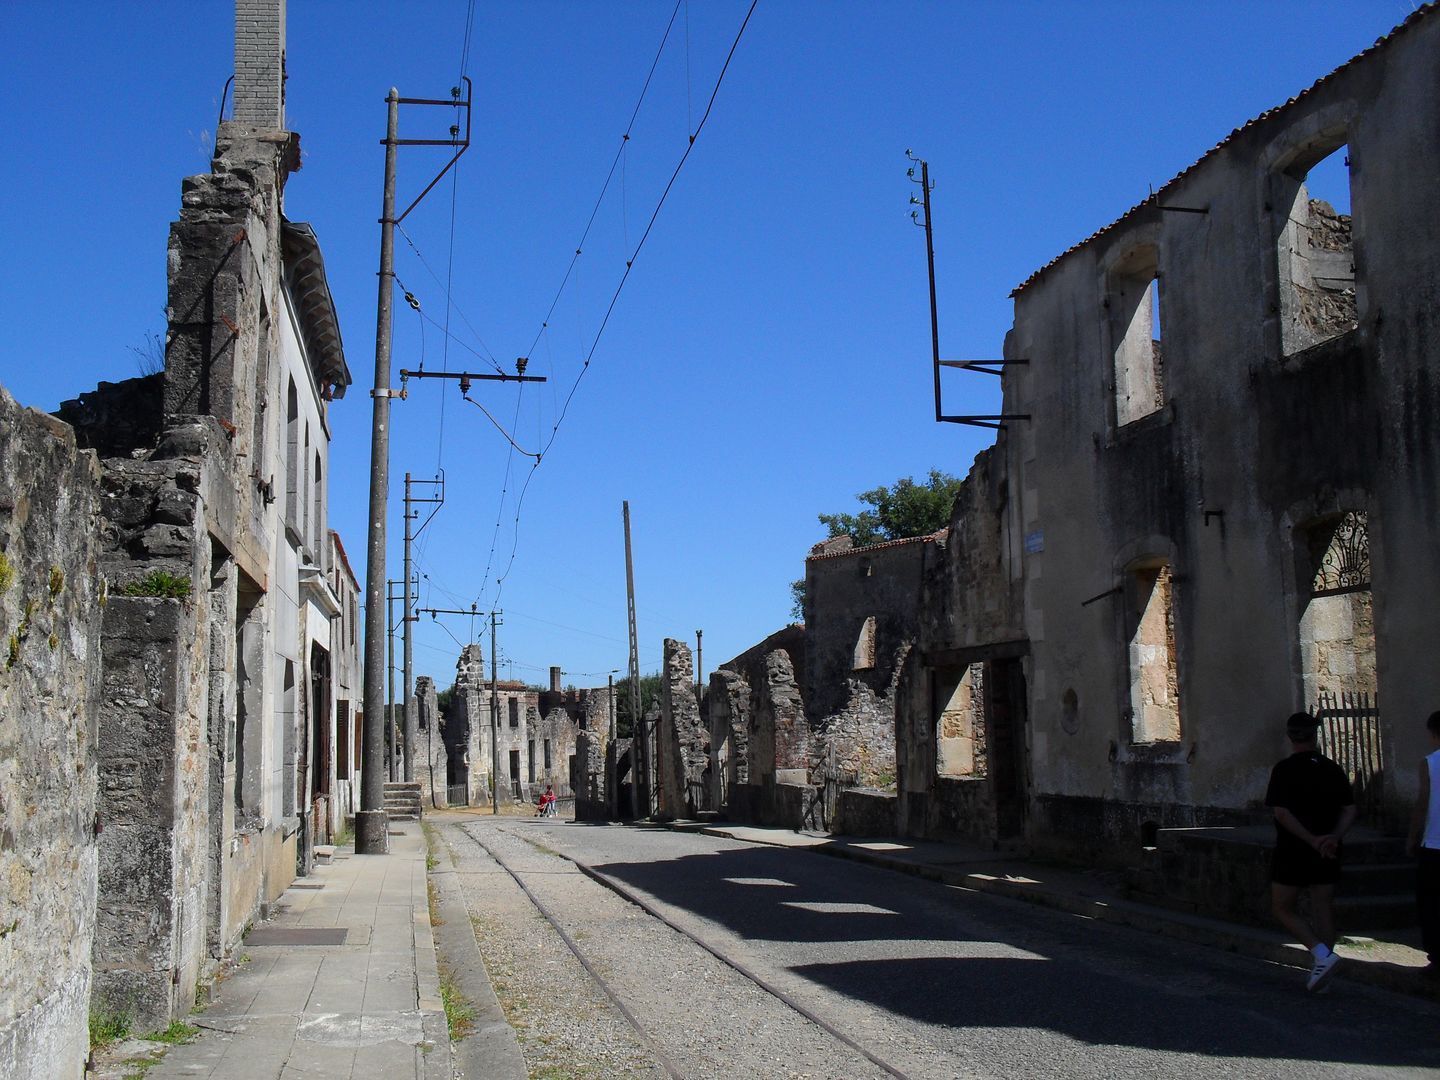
pixel 797 599
pixel 649 694
pixel 903 510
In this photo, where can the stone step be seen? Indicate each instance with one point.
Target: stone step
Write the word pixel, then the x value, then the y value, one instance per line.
pixel 1377 879
pixel 1375 912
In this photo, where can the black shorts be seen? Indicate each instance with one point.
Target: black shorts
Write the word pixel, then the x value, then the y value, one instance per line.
pixel 1299 866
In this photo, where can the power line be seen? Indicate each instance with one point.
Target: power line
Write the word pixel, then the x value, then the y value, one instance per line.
pixel 625 138
pixel 488 355
pixel 629 264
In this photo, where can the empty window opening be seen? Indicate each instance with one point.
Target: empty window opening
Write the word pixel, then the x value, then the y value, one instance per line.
pixel 318 501
pixel 1069 712
pixel 960 728
pixel 1134 302
pixel 342 739
pixel 514 705
pixel 1154 678
pixel 547 755
pixel 292 457
pixel 303 525
pixel 1315 250
pixel 531 777
pixel 865 646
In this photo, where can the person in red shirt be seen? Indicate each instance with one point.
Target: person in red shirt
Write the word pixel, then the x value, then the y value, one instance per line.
pixel 547 801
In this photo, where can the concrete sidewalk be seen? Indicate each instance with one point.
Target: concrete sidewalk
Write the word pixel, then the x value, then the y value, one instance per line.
pixel 1393 964
pixel 298 1005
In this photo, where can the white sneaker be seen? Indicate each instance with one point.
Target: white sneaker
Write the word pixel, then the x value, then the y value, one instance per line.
pixel 1323 971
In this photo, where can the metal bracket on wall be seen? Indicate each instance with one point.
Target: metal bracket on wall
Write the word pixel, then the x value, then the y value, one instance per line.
pixel 996 421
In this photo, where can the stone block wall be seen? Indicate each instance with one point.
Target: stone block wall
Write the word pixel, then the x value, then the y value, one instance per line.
pixel 49 684
pixel 431 762
pixel 682 741
pixel 587 776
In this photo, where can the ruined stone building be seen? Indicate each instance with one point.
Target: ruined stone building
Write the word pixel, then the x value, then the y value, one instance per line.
pixel 1220 508
pixel 229 623
pixel 533 731
pixel 1223 505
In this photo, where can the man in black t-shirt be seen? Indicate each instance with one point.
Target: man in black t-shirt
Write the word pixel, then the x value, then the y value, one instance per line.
pixel 1314 808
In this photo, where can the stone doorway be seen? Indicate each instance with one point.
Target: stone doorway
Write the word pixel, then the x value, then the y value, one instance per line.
pixel 1337 652
pixel 1005 719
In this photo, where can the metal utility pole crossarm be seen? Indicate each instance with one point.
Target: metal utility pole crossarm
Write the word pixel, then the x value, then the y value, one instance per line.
pixel 371 821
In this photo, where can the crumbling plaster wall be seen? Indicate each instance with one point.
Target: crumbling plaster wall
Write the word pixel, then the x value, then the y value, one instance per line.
pixel 1249 447
pixel 50 596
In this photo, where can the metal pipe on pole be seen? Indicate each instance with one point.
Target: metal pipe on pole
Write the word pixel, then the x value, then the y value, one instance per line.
pixel 494 720
pixel 407 706
pixel 639 744
pixel 372 823
pixel 392 745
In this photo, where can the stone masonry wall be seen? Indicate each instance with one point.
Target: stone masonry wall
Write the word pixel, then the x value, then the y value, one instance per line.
pixel 430 757
pixel 683 741
pixel 49 682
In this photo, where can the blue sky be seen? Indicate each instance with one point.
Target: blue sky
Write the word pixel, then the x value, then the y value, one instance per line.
pixel 769 356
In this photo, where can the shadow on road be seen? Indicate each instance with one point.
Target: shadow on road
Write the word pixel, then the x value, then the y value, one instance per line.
pixel 855 930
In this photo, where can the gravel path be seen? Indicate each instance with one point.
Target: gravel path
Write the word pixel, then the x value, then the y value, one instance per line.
pixel 710 1020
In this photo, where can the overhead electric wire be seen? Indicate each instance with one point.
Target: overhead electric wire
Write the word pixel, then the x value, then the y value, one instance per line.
pixel 625 138
pixel 488 356
pixel 625 276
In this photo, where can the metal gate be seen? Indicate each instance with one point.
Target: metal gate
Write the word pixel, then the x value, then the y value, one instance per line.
pixel 1350 736
pixel 457 795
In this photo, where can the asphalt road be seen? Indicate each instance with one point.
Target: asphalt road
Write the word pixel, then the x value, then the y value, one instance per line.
pixel 941 982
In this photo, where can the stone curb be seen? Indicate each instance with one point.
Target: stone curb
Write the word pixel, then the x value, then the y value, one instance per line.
pixel 438 1060
pixel 1146 917
pixel 492 1051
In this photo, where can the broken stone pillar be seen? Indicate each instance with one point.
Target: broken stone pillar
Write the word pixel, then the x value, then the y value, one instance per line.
pixel 728 703
pixel 779 735
pixel 683 741
pixel 430 757
pixel 587 776
pixel 49 684
pixel 467 727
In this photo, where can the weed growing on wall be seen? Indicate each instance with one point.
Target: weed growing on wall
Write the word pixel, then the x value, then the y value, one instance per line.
pixel 158 583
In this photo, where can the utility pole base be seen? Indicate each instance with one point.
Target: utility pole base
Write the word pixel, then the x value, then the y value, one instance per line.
pixel 372 832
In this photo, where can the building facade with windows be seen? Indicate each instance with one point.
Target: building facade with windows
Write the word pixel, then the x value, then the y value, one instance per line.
pixel 1223 501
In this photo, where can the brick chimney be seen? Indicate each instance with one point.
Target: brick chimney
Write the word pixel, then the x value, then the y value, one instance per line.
pixel 555 680
pixel 260 63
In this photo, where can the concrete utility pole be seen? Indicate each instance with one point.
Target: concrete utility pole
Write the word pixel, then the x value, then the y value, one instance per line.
pixel 494 719
pixel 639 746
pixel 371 821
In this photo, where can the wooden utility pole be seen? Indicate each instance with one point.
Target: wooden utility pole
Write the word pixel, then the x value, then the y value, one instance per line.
pixel 639 743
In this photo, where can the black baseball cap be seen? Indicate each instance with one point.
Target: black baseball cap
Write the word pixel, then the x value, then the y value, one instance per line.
pixel 1301 726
